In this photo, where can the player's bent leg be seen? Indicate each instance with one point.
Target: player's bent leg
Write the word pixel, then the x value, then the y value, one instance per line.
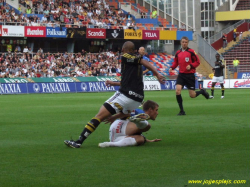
pixel 128 141
pixel 89 128
pixel 192 93
pixel 132 128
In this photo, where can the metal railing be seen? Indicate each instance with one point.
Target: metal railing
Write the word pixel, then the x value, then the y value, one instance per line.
pixel 218 36
pixel 206 50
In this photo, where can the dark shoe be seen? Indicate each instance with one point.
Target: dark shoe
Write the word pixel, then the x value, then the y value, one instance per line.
pixel 72 144
pixel 181 113
pixel 204 93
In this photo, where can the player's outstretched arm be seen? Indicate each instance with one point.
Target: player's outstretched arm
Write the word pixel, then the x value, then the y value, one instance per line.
pixel 111 119
pixel 112 83
pixel 160 77
pixel 154 140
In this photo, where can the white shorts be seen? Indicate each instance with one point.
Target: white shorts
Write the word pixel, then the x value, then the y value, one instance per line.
pixel 218 79
pixel 121 103
pixel 117 130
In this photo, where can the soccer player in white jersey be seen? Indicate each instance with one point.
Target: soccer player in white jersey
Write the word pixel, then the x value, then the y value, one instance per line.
pixel 128 132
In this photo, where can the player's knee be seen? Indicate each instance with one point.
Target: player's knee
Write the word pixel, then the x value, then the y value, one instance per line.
pixel 178 92
pixel 140 140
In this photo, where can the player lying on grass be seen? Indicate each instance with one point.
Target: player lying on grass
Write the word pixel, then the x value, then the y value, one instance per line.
pixel 128 132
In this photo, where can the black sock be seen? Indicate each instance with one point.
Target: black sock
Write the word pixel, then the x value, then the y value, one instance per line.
pixel 212 91
pixel 198 93
pixel 89 128
pixel 222 91
pixel 179 101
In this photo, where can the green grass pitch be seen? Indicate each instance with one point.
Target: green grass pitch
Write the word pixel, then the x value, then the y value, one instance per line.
pixel 211 142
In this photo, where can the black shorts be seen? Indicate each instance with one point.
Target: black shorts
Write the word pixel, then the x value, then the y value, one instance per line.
pixel 186 79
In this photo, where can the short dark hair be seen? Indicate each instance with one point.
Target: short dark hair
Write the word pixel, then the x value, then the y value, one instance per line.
pixel 149 104
pixel 185 38
pixel 217 54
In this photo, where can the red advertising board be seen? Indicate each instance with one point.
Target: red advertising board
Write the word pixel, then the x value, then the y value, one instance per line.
pixel 0 30
pixel 96 33
pixel 150 35
pixel 35 31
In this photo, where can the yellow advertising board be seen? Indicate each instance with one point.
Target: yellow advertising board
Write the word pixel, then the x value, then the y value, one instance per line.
pixel 132 35
pixel 167 35
pixel 232 15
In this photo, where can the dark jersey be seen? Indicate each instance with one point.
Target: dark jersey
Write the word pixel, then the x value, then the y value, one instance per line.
pixel 218 69
pixel 132 79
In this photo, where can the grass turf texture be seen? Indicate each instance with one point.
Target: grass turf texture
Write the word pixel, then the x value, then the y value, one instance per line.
pixel 211 142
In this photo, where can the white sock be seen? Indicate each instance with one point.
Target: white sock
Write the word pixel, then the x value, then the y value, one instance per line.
pixel 124 142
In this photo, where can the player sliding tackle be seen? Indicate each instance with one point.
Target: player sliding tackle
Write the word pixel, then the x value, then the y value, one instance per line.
pixel 128 132
pixel 129 96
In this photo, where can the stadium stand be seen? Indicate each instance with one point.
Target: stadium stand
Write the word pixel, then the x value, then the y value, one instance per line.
pixel 243 5
pixel 241 51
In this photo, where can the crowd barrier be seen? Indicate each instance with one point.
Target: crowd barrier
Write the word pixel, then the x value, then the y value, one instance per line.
pixel 72 85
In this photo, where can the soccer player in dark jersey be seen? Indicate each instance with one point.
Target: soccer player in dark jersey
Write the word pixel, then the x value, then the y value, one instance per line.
pixel 188 60
pixel 129 96
pixel 218 76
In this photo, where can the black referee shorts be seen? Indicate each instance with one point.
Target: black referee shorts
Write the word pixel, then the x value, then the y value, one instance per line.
pixel 186 79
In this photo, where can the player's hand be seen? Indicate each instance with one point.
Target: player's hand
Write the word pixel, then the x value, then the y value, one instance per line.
pixel 161 78
pixel 188 67
pixel 170 70
pixel 108 83
pixel 155 140
pixel 109 120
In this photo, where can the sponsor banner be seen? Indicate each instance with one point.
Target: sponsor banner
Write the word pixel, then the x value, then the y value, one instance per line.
pixel 114 34
pixel 0 30
pixel 240 83
pixel 15 88
pixel 54 79
pixel 33 31
pixel 96 33
pixel 188 34
pixel 243 75
pixel 14 31
pixel 171 85
pixel 13 80
pixel 133 35
pixel 167 35
pixel 60 87
pixel 69 79
pixel 152 85
pixel 76 32
pixel 94 87
pixel 57 32
pixel 208 84
pixel 97 79
pixel 150 35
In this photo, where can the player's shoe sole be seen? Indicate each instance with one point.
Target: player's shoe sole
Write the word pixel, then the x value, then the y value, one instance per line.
pixel 181 113
pixel 104 144
pixel 72 144
pixel 139 117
